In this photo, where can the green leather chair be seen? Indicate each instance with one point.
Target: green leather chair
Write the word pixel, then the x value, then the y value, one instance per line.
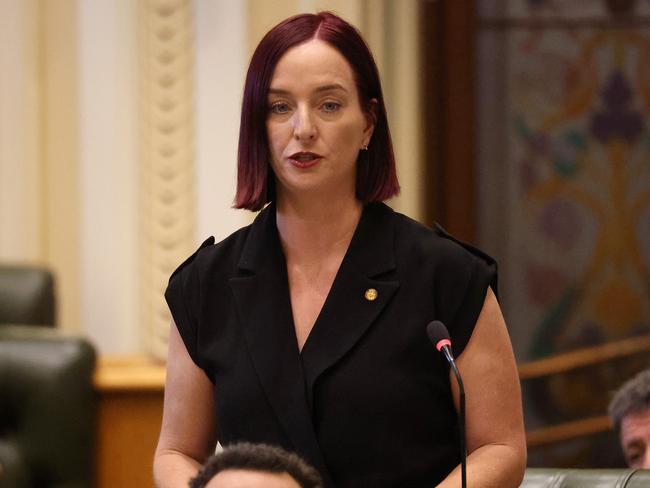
pixel 47 409
pixel 26 295
pixel 586 478
pixel 47 402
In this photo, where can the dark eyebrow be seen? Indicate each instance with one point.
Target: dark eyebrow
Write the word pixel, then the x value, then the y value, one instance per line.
pixel 333 86
pixel 324 88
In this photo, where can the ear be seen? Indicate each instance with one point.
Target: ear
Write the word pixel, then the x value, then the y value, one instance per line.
pixel 371 120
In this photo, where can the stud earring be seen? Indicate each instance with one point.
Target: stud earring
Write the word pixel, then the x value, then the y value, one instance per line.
pixel 364 147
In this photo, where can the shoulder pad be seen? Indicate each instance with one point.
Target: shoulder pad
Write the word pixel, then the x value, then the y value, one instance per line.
pixel 473 250
pixel 208 242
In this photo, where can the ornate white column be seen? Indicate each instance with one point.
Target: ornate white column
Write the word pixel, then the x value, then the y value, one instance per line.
pixel 167 216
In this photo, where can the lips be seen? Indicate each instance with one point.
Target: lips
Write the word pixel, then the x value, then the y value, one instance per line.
pixel 304 159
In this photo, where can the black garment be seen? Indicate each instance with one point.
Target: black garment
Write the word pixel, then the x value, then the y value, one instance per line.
pixel 368 400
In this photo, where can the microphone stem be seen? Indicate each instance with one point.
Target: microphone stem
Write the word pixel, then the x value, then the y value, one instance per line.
pixel 461 419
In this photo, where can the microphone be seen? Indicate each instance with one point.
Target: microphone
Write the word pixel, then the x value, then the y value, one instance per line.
pixel 439 337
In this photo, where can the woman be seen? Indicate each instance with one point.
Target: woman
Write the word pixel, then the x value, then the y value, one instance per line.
pixel 307 329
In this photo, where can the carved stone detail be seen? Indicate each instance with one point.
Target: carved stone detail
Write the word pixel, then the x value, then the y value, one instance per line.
pixel 166 135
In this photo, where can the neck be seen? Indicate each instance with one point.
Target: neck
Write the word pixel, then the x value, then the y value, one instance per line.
pixel 314 228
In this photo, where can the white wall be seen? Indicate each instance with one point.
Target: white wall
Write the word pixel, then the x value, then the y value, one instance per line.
pixel 109 173
pixel 221 62
pixel 20 156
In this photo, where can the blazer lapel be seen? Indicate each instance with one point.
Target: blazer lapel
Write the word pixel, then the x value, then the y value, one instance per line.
pixel 352 305
pixel 263 304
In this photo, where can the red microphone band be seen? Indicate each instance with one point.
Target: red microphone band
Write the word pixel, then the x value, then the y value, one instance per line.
pixel 442 343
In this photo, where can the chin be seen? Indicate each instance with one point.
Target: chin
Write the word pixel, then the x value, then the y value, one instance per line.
pixel 306 188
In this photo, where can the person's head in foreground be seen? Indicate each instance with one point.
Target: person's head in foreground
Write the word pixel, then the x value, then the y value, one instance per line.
pixel 246 465
pixel 313 101
pixel 630 414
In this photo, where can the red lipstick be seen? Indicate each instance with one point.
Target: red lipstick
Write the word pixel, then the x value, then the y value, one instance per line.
pixel 305 159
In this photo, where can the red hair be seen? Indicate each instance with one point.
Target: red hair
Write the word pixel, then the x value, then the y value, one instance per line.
pixel 376 174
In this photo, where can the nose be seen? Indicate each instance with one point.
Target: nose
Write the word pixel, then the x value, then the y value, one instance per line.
pixel 304 129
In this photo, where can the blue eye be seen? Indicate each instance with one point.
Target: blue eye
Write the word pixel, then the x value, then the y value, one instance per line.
pixel 279 108
pixel 331 106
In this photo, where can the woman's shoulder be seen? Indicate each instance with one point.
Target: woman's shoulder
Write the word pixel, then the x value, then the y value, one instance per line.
pixel 221 256
pixel 459 273
pixel 435 245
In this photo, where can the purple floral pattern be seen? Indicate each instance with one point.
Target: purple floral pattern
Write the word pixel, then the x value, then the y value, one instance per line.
pixel 581 163
pixel 618 120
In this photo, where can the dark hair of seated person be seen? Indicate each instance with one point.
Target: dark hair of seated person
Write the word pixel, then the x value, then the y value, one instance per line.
pixel 632 397
pixel 258 457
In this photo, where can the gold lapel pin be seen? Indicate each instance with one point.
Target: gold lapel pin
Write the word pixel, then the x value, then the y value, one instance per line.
pixel 370 294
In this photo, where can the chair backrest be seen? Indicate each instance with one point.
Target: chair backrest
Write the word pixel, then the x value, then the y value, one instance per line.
pixel 47 409
pixel 26 296
pixel 586 478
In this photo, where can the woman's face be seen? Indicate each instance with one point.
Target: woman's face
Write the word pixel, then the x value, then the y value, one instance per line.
pixel 315 124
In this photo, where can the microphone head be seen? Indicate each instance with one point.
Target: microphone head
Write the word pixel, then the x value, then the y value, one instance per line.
pixel 438 334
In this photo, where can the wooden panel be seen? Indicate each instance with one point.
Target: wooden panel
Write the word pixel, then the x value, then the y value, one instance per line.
pixel 128 427
pixel 130 373
pixel 583 357
pixel 459 119
pixel 567 430
pixel 448 33
pixel 431 29
pixel 130 411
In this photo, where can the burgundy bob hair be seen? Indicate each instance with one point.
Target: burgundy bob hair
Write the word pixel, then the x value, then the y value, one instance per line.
pixel 376 174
